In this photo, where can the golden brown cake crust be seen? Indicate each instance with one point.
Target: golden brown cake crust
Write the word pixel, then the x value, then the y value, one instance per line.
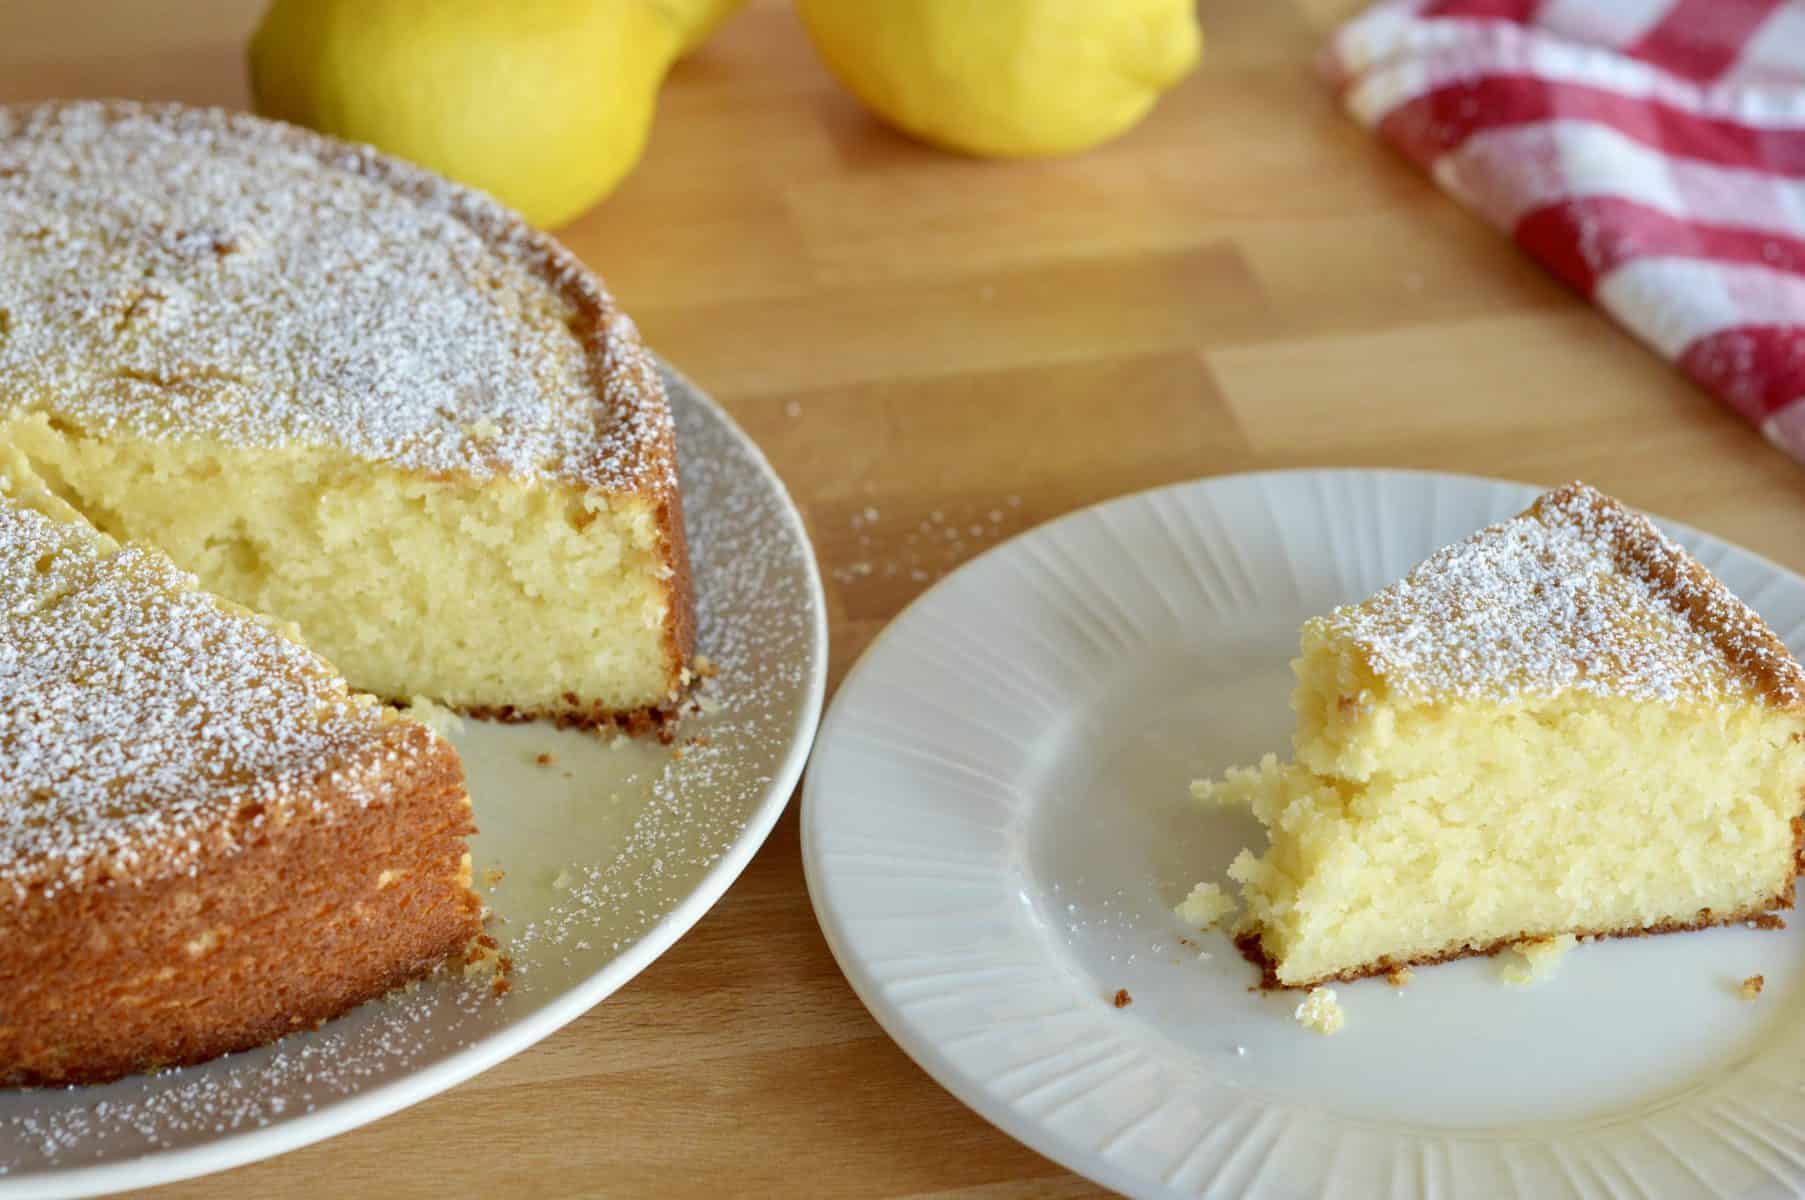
pixel 680 621
pixel 1740 635
pixel 293 928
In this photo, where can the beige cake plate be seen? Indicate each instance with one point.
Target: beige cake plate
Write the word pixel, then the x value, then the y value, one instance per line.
pixel 609 853
pixel 996 826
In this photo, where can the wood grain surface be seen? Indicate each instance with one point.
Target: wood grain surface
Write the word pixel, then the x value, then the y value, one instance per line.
pixel 1245 280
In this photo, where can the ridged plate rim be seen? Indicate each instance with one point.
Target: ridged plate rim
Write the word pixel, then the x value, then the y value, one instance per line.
pixel 1729 1147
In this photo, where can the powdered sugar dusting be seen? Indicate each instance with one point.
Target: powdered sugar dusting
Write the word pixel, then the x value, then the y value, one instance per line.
pixel 174 272
pixel 601 849
pixel 138 718
pixel 1578 592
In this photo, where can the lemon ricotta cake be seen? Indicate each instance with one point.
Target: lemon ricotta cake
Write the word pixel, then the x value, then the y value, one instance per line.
pixel 206 839
pixel 1563 726
pixel 348 393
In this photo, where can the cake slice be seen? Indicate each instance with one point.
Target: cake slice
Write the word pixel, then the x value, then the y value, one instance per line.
pixel 1561 726
pixel 348 393
pixel 206 840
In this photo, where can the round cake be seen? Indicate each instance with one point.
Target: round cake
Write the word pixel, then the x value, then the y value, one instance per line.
pixel 286 427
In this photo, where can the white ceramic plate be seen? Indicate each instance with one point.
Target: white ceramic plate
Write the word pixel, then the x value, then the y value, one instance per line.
pixel 610 854
pixel 996 826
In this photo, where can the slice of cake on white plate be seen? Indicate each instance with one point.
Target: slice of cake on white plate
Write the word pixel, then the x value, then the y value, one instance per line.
pixel 1563 725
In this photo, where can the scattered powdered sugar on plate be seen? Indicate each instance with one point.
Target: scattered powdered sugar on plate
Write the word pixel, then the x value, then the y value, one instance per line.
pixel 595 849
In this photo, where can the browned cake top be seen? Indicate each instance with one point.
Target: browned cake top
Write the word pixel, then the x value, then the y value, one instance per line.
pixel 1576 592
pixel 141 725
pixel 179 272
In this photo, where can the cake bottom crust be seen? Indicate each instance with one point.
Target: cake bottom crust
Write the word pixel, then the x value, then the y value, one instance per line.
pixel 1248 944
pixel 657 720
pixel 637 722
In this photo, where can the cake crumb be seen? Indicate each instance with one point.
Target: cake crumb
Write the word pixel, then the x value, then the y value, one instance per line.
pixel 1122 999
pixel 1207 905
pixel 493 876
pixel 1321 1012
pixel 545 758
pixel 1768 921
pixel 1534 960
pixel 484 960
pixel 1397 977
pixel 441 721
pixel 1751 987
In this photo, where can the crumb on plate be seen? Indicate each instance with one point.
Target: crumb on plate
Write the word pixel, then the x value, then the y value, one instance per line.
pixel 1530 962
pixel 1321 1012
pixel 484 960
pixel 1207 905
pixel 441 721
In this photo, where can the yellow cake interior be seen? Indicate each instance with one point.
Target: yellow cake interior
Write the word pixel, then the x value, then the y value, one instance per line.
pixel 1491 831
pixel 1459 785
pixel 513 594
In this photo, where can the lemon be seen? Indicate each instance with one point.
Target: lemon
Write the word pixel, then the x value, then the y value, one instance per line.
pixel 1006 78
pixel 546 104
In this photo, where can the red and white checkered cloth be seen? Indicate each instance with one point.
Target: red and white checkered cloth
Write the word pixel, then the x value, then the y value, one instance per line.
pixel 1651 153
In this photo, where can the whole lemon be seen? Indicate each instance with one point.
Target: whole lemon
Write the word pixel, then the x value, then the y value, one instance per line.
pixel 543 103
pixel 1007 78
